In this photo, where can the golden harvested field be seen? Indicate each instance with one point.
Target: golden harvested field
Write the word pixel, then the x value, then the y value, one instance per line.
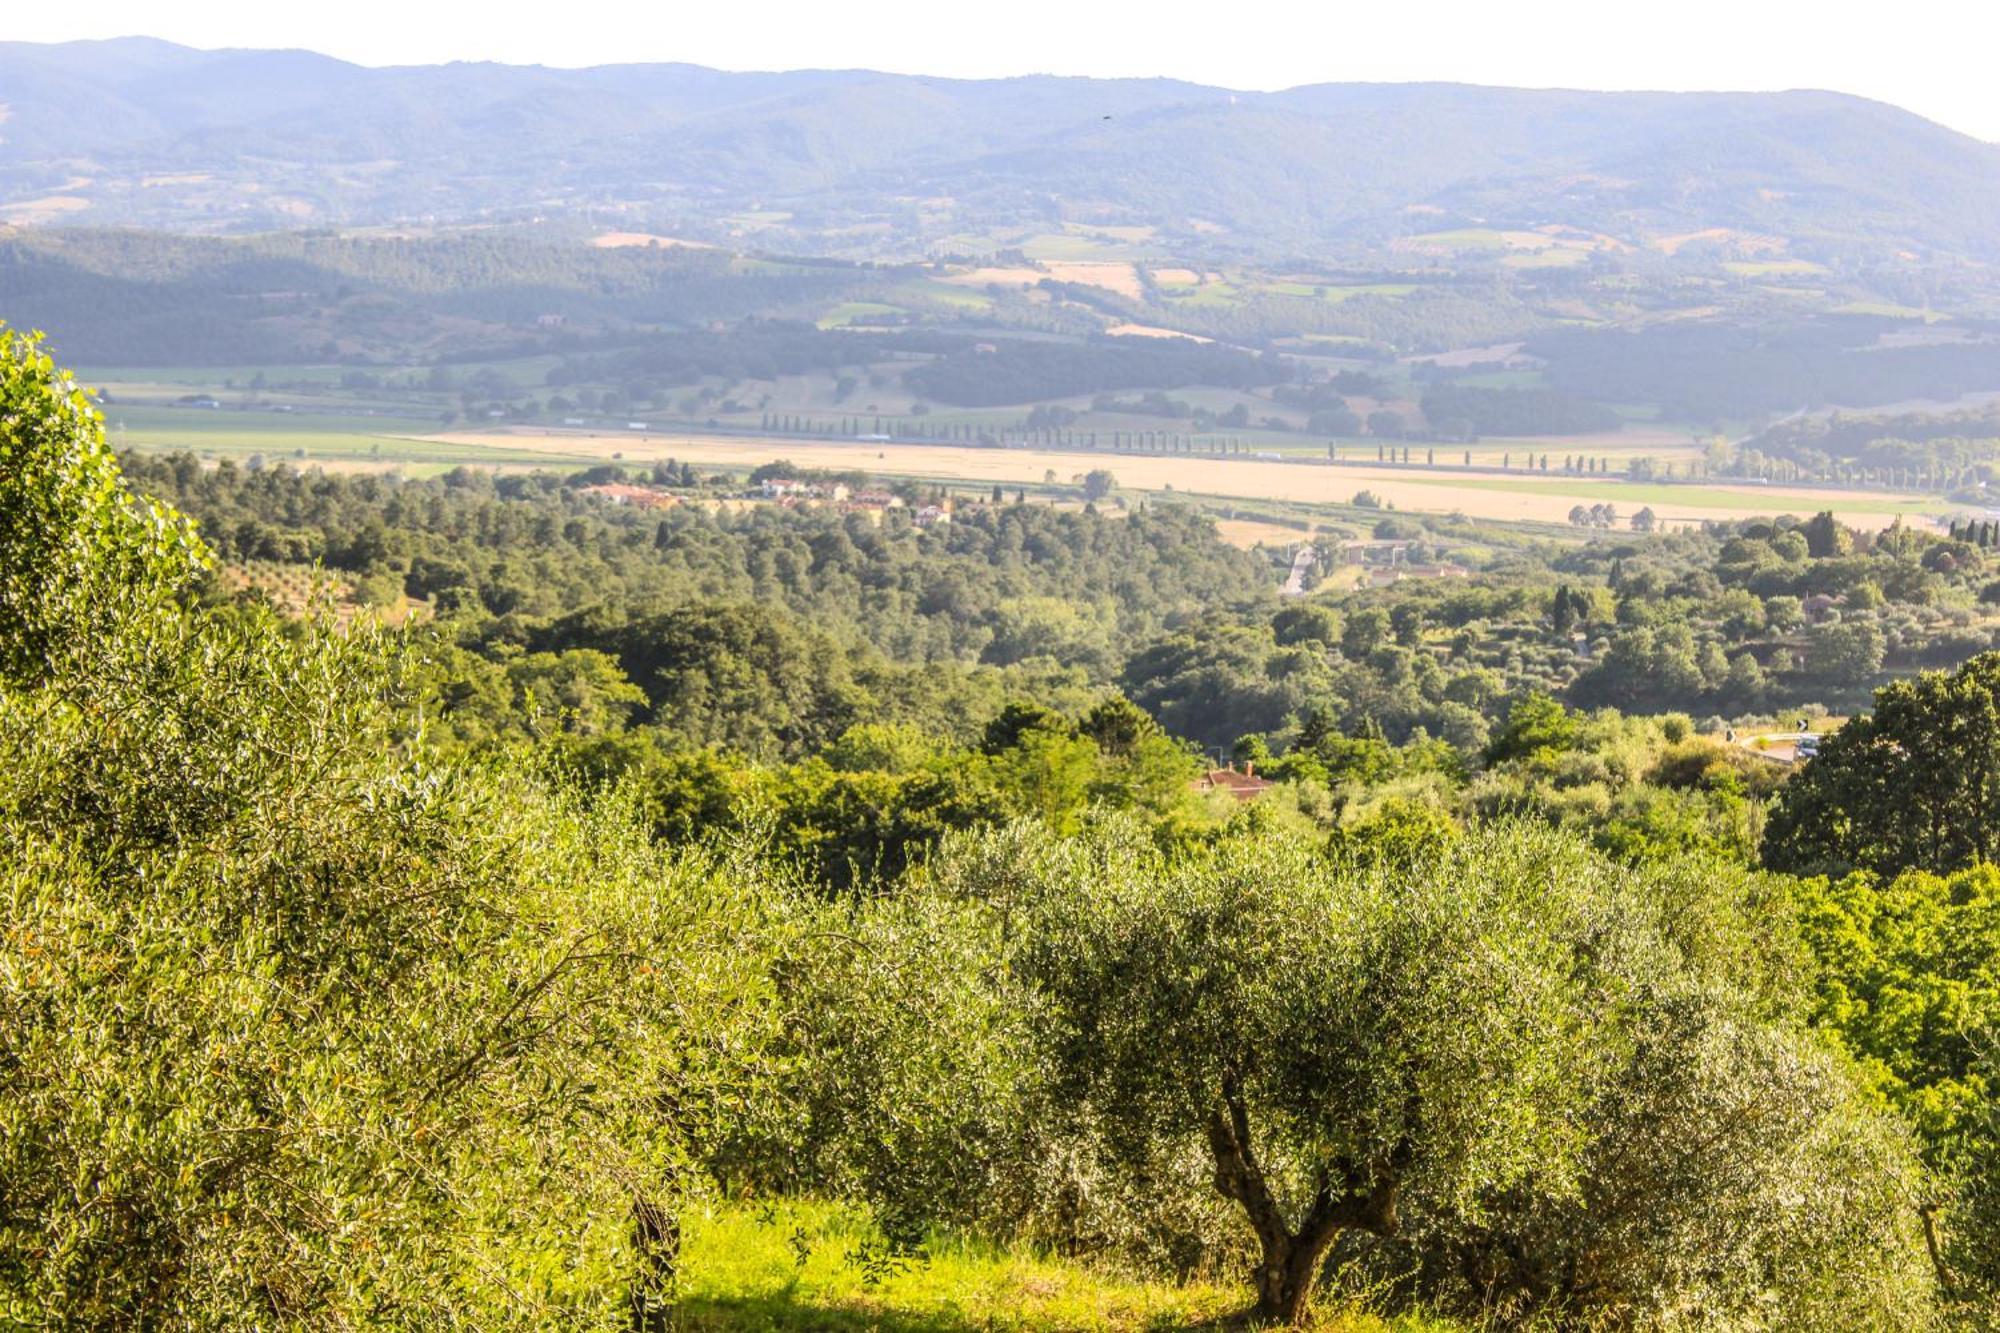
pixel 1006 276
pixel 618 240
pixel 31 211
pixel 1471 356
pixel 1113 277
pixel 1517 495
pixel 1248 532
pixel 1130 330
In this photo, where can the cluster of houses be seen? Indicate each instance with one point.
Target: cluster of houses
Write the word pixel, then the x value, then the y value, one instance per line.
pixel 785 492
pixel 639 497
pixel 1385 561
pixel 791 493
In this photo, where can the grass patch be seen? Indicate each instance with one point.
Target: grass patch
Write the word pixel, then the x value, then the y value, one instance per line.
pixel 1771 268
pixel 1554 257
pixel 1337 293
pixel 1710 497
pixel 926 291
pixel 1073 245
pixel 311 437
pixel 848 312
pixel 1216 293
pixel 800 1265
pixel 1886 310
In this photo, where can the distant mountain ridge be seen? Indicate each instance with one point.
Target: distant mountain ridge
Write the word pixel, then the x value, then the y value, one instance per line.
pixel 142 132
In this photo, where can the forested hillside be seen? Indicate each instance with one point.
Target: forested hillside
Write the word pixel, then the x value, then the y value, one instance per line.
pixel 249 140
pixel 667 866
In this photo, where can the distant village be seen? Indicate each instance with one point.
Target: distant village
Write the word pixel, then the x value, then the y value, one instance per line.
pixel 786 493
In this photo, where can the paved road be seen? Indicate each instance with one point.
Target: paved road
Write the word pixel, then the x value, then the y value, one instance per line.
pixel 1295 582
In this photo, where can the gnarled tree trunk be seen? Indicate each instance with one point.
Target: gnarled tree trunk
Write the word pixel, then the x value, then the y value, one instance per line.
pixel 656 1235
pixel 1289 1266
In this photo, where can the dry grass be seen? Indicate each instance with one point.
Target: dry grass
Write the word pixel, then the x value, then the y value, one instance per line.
pixel 1249 532
pixel 1748 242
pixel 29 212
pixel 991 273
pixel 1121 278
pixel 618 240
pixel 1130 330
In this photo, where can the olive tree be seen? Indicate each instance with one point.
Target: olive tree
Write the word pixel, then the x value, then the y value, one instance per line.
pixel 1485 1050
pixel 1338 1045
pixel 296 1027
pixel 1913 785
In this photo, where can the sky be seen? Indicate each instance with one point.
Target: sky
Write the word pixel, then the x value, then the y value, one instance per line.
pixel 1933 57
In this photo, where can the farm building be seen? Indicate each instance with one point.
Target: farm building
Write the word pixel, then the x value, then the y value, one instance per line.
pixel 1244 786
pixel 785 488
pixel 624 493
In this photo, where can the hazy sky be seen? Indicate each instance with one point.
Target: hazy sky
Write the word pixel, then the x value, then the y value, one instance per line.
pixel 1935 57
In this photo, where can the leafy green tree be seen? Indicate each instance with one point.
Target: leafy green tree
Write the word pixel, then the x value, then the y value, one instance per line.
pixel 293 1016
pixel 1846 652
pixel 1912 785
pixel 1909 975
pixel 1825 538
pixel 1365 631
pixel 1536 725
pixel 1306 622
pixel 1443 1057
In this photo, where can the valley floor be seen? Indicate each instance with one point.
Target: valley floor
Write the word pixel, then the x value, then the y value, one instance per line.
pixel 1492 494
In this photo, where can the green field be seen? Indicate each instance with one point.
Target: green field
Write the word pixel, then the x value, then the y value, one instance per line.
pixel 848 312
pixel 1888 311
pixel 1336 292
pixel 1772 268
pixel 928 291
pixel 311 438
pixel 1750 500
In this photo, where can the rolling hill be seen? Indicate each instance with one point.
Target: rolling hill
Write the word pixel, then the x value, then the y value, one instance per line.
pixel 146 133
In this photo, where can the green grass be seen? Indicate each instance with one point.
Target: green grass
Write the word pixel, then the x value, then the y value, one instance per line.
pixel 1209 293
pixel 1771 268
pixel 226 423
pixel 1336 293
pixel 926 291
pixel 1503 379
pixel 1754 501
pixel 1073 246
pixel 847 312
pixel 797 1265
pixel 1553 257
pixel 1888 311
pixel 310 437
pixel 207 377
pixel 1465 238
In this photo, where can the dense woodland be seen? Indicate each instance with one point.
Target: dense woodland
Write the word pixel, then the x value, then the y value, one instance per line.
pixel 395 978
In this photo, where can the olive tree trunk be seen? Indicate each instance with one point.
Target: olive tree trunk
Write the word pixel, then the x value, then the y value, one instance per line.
pixel 656 1235
pixel 1289 1266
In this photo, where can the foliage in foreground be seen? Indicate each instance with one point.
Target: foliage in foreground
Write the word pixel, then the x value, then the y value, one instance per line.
pixel 1512 1079
pixel 293 1023
pixel 303 1030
